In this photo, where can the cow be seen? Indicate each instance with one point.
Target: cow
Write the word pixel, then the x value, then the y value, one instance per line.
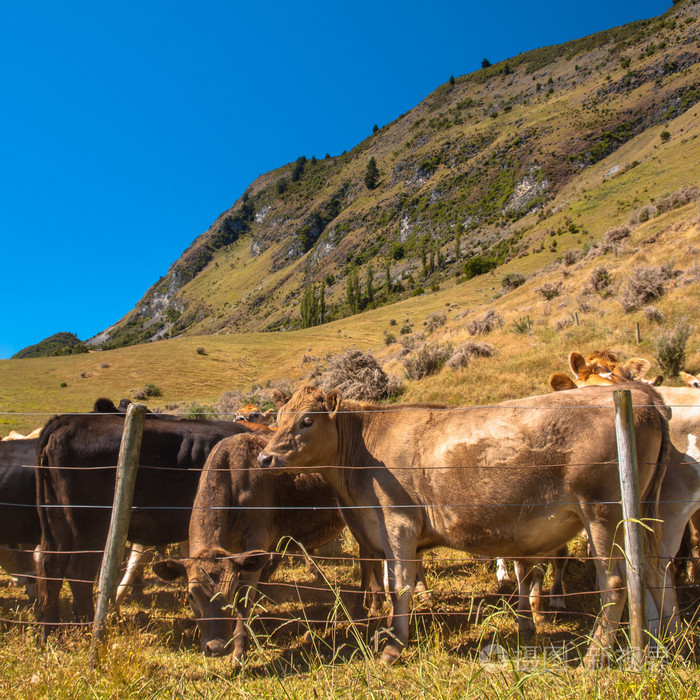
pixel 680 491
pixel 240 514
pixel 19 522
pixel 251 413
pixel 519 478
pixel 75 475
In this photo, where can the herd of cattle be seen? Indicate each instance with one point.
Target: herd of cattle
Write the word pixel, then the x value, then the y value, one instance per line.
pixel 518 479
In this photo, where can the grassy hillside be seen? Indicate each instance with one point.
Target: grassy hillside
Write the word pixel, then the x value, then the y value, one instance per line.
pixel 572 154
pixel 486 166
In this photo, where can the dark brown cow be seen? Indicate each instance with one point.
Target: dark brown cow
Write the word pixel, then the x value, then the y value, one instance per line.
pixel 75 488
pixel 519 479
pixel 240 507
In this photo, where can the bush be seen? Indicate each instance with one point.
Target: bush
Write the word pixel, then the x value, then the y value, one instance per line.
pixel 613 238
pixel 669 348
pixel 389 338
pixel 201 351
pixel 652 314
pixel 513 280
pixel 643 285
pixel 358 375
pixel 147 392
pixel 570 257
pixel 435 321
pixel 195 411
pixel 601 280
pixel 521 325
pixel 470 351
pixel 549 290
pixel 485 323
pixel 428 359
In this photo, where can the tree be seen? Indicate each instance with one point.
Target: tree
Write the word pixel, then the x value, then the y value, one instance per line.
pixel 352 291
pixel 485 63
pixel 309 307
pixel 452 80
pixel 369 284
pixel 372 174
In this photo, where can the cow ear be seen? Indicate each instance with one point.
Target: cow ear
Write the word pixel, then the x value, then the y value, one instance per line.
pixel 577 363
pixel 279 398
pixel 637 366
pixel 169 569
pixel 333 399
pixel 560 382
pixel 251 561
pixel 658 380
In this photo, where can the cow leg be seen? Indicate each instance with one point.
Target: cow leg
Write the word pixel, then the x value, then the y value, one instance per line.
pixel 502 575
pixel 402 564
pixel 610 575
pixel 693 566
pixel 51 567
pixel 81 574
pixel 138 558
pixel 421 587
pixel 556 595
pixel 529 578
pixel 245 601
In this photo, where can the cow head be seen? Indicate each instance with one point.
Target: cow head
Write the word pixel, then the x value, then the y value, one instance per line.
pixel 252 414
pixel 601 368
pixel 214 577
pixel 306 434
pixel 690 380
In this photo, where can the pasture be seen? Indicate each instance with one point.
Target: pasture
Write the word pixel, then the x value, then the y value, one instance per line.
pixel 153 651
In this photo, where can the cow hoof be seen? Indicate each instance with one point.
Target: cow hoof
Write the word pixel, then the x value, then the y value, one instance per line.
pixel 526 628
pixel 391 654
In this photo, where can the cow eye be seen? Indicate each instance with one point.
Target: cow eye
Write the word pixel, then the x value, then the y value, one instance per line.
pixel 307 421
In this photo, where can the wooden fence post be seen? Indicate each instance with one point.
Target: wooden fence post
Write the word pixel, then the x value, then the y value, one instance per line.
pixel 631 513
pixel 127 465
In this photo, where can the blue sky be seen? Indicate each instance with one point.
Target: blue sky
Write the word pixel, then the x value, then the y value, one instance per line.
pixel 127 128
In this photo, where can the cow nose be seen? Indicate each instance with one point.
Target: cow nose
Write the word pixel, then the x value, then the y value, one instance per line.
pixel 215 647
pixel 264 460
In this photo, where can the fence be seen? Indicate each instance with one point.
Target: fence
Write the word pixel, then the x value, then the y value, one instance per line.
pixel 337 592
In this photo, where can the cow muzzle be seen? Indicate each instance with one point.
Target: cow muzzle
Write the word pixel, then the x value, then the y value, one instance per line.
pixel 216 647
pixel 268 461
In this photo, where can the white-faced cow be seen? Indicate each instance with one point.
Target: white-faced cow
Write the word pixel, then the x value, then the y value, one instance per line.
pixel 518 478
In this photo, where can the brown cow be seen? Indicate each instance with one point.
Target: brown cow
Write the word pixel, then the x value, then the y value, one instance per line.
pixel 519 478
pixel 240 507
pixel 680 491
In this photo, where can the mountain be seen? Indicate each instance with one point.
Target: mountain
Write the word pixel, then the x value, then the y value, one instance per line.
pixel 506 169
pixel 57 344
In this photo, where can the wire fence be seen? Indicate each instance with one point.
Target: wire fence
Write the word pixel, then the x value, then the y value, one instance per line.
pixel 437 564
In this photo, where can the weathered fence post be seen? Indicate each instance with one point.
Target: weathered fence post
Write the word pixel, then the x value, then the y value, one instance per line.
pixel 127 465
pixel 637 333
pixel 631 513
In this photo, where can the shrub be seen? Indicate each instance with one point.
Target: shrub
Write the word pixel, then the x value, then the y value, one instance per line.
pixel 478 265
pixel 513 280
pixel 389 338
pixel 195 411
pixel 601 280
pixel 201 351
pixel 484 324
pixel 643 285
pixel 678 199
pixel 613 238
pixel 652 314
pixel 358 375
pixel 669 348
pixel 405 329
pixel 435 321
pixel 470 350
pixel 521 325
pixel 147 392
pixel 563 322
pixel 649 211
pixel 428 359
pixel 570 257
pixel 549 290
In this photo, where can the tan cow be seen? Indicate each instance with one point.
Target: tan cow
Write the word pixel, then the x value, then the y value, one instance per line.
pixel 680 491
pixel 519 479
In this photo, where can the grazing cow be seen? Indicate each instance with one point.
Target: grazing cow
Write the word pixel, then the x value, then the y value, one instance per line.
pixel 520 478
pixel 75 489
pixel 240 507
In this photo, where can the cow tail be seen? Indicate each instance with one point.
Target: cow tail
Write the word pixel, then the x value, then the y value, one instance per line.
pixel 650 498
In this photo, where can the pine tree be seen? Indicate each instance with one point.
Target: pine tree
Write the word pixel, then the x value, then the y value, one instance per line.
pixel 369 284
pixel 372 174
